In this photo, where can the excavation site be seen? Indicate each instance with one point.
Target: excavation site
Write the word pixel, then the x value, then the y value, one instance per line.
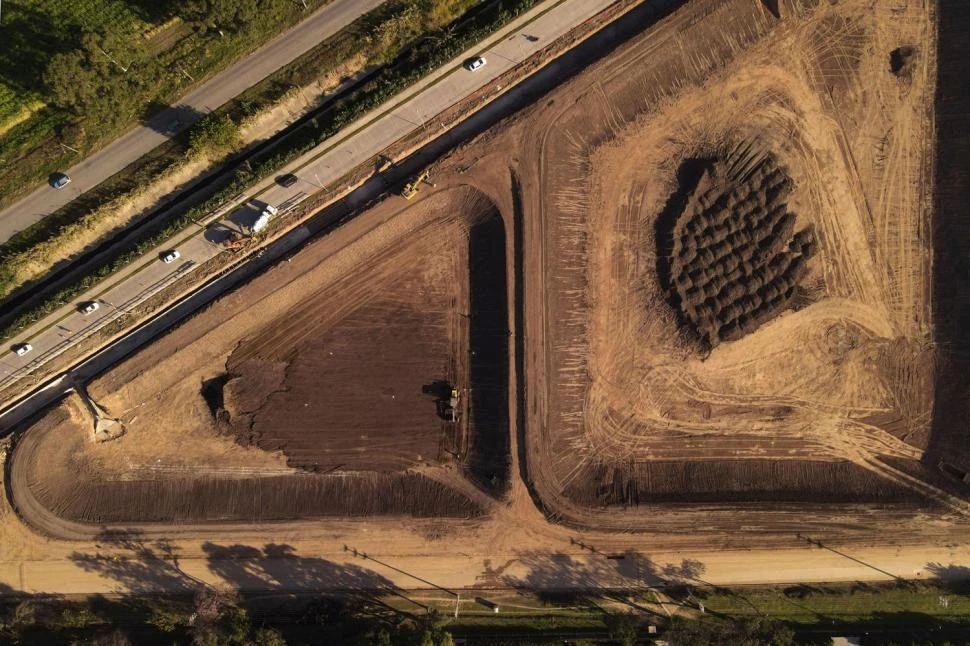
pixel 366 380
pixel 735 279
pixel 705 290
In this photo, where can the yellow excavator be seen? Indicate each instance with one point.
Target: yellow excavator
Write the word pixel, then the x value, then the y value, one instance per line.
pixel 411 188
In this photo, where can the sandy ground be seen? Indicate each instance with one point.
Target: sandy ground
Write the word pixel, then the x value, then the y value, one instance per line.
pixel 844 379
pixel 607 388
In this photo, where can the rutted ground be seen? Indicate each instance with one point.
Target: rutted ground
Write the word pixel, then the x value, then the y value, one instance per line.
pixel 815 419
pixel 314 390
pixel 644 402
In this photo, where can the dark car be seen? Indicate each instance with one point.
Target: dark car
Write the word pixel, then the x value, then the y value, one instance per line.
pixel 286 180
pixel 59 180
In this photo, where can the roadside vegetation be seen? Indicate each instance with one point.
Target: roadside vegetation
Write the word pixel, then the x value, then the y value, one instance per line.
pixel 75 75
pixel 409 39
pixel 876 614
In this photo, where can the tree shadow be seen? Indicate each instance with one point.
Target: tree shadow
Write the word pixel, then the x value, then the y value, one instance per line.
pixel 149 567
pixel 277 566
pixel 169 120
pixel 30 40
pixel 559 578
pixel 953 577
pixel 152 566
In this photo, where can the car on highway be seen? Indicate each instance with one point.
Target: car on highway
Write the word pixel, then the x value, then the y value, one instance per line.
pixel 22 348
pixel 171 256
pixel 287 180
pixel 60 180
pixel 473 64
pixel 89 307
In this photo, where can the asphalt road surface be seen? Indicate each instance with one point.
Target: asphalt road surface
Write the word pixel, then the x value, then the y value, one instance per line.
pixel 328 162
pixel 210 95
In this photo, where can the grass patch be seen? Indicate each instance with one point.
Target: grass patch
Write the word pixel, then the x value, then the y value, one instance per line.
pixel 811 604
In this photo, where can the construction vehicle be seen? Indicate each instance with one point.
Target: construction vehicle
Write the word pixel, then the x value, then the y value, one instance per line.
pixel 451 410
pixel 411 188
pixel 235 241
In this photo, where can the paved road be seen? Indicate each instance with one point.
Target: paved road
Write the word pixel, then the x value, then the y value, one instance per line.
pixel 95 169
pixel 328 162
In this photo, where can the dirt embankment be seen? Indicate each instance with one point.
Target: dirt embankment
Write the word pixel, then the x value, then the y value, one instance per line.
pixel 340 364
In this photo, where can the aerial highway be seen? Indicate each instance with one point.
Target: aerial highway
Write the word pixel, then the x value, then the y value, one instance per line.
pixel 183 113
pixel 321 166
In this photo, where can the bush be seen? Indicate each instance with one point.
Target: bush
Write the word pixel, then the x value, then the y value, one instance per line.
pixel 214 134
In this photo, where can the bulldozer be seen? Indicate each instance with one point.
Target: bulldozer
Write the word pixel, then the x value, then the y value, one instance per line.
pixel 411 188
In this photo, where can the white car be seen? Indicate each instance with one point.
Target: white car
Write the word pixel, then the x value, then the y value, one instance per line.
pixel 270 210
pixel 473 64
pixel 89 307
pixel 171 256
pixel 60 180
pixel 22 348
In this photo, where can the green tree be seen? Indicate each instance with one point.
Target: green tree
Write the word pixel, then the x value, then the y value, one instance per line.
pixel 268 637
pixel 622 628
pixel 757 631
pixel 218 619
pixel 233 15
pixel 214 133
pixel 103 78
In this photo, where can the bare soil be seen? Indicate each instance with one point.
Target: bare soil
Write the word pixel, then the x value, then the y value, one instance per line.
pixel 340 363
pixel 823 398
pixel 819 416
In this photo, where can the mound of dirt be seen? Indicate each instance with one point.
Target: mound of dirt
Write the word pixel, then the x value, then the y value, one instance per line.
pixel 728 256
pixel 901 61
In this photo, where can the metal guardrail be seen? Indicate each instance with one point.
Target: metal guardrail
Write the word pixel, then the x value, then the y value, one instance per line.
pixel 76 336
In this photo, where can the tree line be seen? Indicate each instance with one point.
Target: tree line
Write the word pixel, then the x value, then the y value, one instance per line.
pixel 113 72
